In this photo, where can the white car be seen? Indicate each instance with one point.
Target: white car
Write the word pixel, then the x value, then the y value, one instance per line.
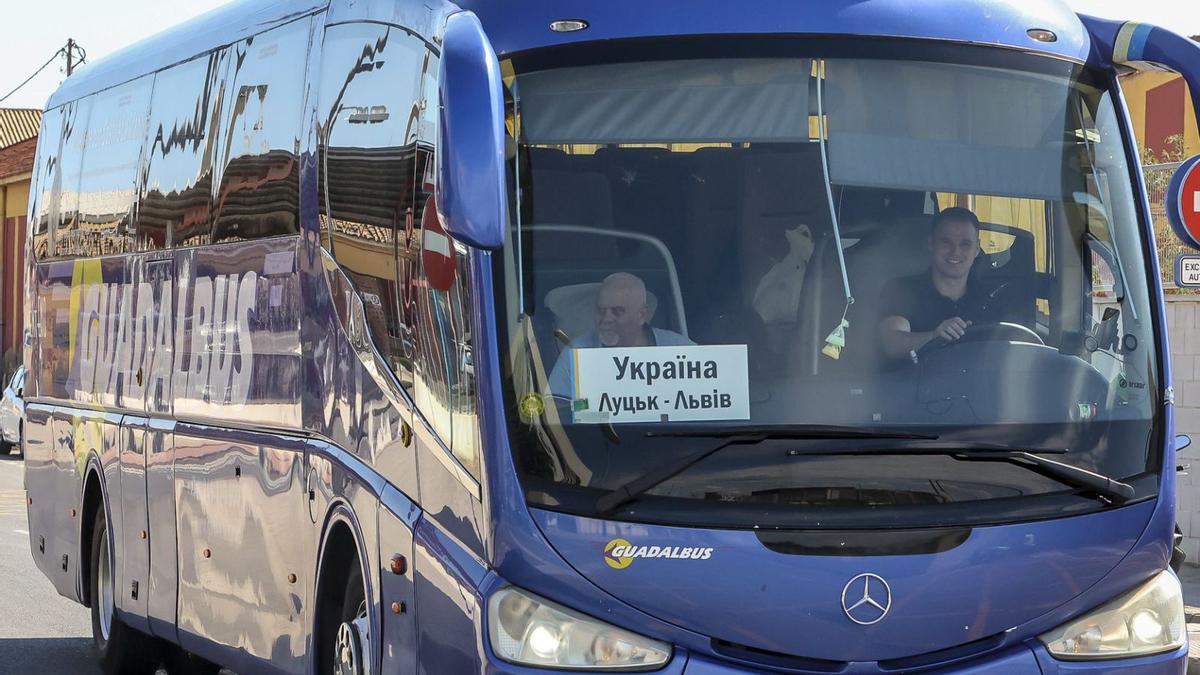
pixel 12 412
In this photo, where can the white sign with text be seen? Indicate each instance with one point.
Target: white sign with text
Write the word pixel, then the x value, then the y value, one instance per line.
pixel 1187 270
pixel 661 384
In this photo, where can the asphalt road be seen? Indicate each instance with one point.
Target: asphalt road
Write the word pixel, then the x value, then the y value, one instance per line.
pixel 40 631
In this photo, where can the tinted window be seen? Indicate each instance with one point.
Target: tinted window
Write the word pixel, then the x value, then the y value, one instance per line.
pixel 444 305
pixel 369 86
pixel 445 374
pixel 113 152
pixel 47 179
pixel 258 194
pixel 64 210
pixel 180 145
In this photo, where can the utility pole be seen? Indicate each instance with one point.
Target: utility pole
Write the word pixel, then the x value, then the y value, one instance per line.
pixel 70 56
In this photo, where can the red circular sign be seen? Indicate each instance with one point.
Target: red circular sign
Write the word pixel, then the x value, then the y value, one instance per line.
pixel 1189 200
pixel 437 249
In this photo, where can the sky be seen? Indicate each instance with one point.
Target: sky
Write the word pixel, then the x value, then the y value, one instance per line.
pixel 38 28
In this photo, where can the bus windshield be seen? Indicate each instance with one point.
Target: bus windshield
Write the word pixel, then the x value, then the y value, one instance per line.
pixel 703 244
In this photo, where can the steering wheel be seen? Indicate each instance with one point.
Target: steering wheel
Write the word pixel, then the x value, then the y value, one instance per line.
pixel 980 332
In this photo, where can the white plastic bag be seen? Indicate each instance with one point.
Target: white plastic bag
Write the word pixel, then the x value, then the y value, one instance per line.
pixel 777 297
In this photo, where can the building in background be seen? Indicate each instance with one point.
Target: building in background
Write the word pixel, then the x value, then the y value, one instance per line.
pixel 1160 110
pixel 18 140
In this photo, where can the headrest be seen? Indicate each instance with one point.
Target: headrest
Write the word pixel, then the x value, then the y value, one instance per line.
pixel 574 307
pixel 898 249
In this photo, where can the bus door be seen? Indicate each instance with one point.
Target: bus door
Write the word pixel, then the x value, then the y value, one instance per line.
pixel 145 574
pixel 133 562
pixel 148 451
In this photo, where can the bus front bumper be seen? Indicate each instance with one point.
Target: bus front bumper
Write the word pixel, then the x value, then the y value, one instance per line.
pixel 1019 660
pixel 1016 661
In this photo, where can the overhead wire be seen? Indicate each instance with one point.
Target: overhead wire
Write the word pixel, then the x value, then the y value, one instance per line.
pixel 57 54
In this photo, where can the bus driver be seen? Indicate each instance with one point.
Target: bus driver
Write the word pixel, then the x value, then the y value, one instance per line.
pixel 943 301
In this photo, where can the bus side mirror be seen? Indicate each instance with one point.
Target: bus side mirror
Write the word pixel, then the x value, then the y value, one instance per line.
pixel 1131 43
pixel 470 155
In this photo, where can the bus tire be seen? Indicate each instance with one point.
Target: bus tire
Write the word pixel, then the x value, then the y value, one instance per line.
pixel 344 632
pixel 119 648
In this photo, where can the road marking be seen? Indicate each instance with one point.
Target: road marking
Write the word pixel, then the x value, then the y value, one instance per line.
pixel 21 532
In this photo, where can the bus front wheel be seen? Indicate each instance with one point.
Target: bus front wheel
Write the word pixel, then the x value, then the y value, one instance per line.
pixel 345 634
pixel 119 648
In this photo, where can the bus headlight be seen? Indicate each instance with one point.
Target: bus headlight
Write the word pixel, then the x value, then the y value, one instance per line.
pixel 1147 620
pixel 530 630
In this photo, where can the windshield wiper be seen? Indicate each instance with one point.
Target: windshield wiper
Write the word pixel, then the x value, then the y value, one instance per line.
pixel 745 435
pixel 1109 488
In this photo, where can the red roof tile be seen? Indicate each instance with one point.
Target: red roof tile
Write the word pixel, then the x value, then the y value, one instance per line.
pixel 17 159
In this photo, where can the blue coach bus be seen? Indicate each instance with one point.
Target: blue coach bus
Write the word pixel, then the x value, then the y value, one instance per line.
pixel 397 336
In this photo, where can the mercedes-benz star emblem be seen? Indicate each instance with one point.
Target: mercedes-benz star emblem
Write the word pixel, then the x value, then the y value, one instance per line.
pixel 866 599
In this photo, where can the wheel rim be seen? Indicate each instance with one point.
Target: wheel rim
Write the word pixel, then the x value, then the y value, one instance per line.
pixel 104 581
pixel 353 644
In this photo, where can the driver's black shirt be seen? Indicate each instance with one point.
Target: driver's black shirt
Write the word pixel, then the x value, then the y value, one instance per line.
pixel 918 300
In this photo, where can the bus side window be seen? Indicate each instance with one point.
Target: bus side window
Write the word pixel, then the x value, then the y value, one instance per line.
pixel 64 211
pixel 1102 285
pixel 444 379
pixel 47 178
pixel 367 167
pixel 258 194
pixel 116 131
pixel 181 143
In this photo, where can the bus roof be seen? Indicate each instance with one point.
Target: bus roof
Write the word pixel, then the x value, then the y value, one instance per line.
pixel 519 25
pixel 222 26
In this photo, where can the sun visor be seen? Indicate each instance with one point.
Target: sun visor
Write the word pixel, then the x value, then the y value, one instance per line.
pixel 873 160
pixel 918 125
pixel 706 100
pixel 907 125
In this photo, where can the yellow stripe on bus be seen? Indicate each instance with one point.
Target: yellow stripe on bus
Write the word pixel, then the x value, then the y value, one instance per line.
pixel 1124 38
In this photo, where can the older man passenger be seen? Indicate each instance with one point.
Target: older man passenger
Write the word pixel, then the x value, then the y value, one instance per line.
pixel 622 320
